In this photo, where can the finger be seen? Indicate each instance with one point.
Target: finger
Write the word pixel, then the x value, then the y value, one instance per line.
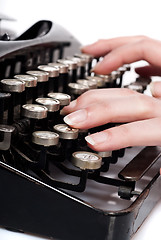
pixel 96 96
pixel 148 71
pixel 140 133
pixel 146 49
pixel 104 46
pixel 123 109
pixel 155 88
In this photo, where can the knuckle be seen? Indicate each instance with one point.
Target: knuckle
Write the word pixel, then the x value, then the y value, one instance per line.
pixel 142 37
pixel 127 91
pixel 146 105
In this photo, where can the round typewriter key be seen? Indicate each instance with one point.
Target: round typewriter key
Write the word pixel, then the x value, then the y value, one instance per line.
pixel 100 81
pixel 45 138
pixel 41 75
pixel 5 136
pixel 107 79
pixel 53 71
pixel 63 98
pixel 88 58
pixel 52 105
pixel 63 68
pixel 105 154
pixel 63 76
pixel 34 111
pixel 88 83
pixel 30 81
pixel 72 65
pixel 42 82
pixel 66 132
pixel 53 77
pixel 77 89
pixel 81 63
pixel 86 160
pixel 13 85
pixel 16 87
pixel 106 159
pixel 30 84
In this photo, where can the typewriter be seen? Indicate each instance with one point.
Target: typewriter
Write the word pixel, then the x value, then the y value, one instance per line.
pixel 52 185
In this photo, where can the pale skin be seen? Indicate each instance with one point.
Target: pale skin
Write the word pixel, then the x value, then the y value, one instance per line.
pixel 139 114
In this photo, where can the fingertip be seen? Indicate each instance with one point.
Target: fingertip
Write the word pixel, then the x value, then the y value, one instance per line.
pixel 68 109
pixel 155 88
pixel 152 88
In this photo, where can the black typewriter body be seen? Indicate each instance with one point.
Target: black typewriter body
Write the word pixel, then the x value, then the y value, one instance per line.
pixel 42 192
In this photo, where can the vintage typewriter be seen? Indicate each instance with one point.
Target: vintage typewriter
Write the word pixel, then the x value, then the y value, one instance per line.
pixel 52 185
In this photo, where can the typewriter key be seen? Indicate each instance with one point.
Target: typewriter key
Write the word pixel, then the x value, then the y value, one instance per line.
pixel 42 79
pixel 72 65
pixel 63 98
pixel 41 76
pixel 52 105
pixel 88 58
pixel 63 76
pixel 37 115
pixel 34 111
pixel 53 77
pixel 13 85
pixel 5 136
pixel 30 81
pixel 107 78
pixel 77 89
pixel 100 81
pixel 106 159
pixel 66 132
pixel 86 160
pixel 88 83
pixel 63 68
pixel 81 63
pixel 68 143
pixel 30 84
pixel 45 138
pixel 16 87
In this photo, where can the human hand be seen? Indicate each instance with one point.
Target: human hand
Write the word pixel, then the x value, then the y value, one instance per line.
pixel 125 50
pixel 139 114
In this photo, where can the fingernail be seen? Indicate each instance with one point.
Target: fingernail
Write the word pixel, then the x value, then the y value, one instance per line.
pixel 76 117
pixel 97 138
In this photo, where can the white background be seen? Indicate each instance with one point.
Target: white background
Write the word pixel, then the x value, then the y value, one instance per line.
pixel 89 21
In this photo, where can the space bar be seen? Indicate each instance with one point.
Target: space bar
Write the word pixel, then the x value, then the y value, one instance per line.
pixel 136 168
